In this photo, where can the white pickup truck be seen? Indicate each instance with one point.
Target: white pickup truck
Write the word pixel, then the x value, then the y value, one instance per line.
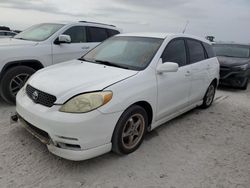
pixel 43 45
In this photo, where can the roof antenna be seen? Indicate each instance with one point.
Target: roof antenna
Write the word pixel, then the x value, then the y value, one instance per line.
pixel 185 28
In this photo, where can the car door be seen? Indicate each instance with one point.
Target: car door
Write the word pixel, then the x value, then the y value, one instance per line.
pixel 174 87
pixel 199 66
pixel 76 49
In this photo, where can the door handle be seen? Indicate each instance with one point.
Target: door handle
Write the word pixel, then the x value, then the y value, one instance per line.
pixel 188 73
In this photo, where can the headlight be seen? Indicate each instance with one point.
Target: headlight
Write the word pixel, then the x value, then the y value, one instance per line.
pixel 241 67
pixel 86 102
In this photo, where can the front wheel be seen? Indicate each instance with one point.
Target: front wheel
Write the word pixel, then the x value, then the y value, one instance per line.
pixel 209 96
pixel 130 130
pixel 13 80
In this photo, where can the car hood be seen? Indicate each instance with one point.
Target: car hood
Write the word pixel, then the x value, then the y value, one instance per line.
pixel 232 61
pixel 74 77
pixel 8 42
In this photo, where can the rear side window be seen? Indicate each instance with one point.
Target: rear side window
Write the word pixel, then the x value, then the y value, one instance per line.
pixel 97 34
pixel 77 34
pixel 175 52
pixel 2 33
pixel 196 51
pixel 112 32
pixel 209 50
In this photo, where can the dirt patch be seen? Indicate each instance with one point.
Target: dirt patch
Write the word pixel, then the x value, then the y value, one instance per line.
pixel 201 149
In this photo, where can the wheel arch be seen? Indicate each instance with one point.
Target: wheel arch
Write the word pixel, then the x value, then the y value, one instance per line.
pixel 215 81
pixel 32 63
pixel 148 109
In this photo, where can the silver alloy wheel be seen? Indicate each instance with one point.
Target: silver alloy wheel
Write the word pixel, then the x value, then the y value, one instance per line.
pixel 210 94
pixel 133 131
pixel 17 83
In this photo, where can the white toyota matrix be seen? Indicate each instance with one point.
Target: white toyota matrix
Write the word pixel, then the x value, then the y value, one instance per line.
pixel 123 88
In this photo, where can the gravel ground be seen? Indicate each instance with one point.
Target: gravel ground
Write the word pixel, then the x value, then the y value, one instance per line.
pixel 201 149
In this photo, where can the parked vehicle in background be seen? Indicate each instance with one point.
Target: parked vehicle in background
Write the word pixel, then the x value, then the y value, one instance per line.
pixel 4 28
pixel 234 64
pixel 43 45
pixel 7 34
pixel 109 98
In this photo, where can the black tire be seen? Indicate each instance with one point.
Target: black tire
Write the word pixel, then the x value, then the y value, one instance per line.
pixel 209 96
pixel 22 72
pixel 245 84
pixel 118 140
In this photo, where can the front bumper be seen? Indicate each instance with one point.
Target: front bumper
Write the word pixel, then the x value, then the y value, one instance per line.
pixel 231 77
pixel 72 136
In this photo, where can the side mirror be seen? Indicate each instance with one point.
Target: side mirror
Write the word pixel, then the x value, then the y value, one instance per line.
pixel 64 39
pixel 167 67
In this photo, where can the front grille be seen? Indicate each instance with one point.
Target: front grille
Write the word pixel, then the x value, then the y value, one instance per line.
pixel 40 97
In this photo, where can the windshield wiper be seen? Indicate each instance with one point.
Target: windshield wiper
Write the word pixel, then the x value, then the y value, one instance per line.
pixel 83 59
pixel 110 64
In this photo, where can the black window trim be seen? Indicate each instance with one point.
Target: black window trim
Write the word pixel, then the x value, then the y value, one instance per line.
pixel 205 50
pixel 186 49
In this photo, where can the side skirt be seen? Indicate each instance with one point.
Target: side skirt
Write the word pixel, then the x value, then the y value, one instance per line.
pixel 174 115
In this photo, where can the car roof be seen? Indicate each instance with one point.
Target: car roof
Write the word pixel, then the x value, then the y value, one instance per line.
pixel 164 35
pixel 94 24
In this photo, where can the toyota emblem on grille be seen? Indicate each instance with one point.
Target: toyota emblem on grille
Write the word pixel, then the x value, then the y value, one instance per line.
pixel 35 95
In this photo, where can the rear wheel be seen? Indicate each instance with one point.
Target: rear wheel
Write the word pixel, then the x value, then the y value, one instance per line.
pixel 13 80
pixel 209 96
pixel 130 130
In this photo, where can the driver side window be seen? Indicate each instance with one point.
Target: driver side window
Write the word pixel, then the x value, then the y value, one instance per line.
pixel 77 34
pixel 175 52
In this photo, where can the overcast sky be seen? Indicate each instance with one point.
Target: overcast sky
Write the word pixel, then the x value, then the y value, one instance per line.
pixel 227 20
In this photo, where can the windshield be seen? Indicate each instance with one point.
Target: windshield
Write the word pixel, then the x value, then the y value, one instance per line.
pixel 232 50
pixel 39 32
pixel 125 52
